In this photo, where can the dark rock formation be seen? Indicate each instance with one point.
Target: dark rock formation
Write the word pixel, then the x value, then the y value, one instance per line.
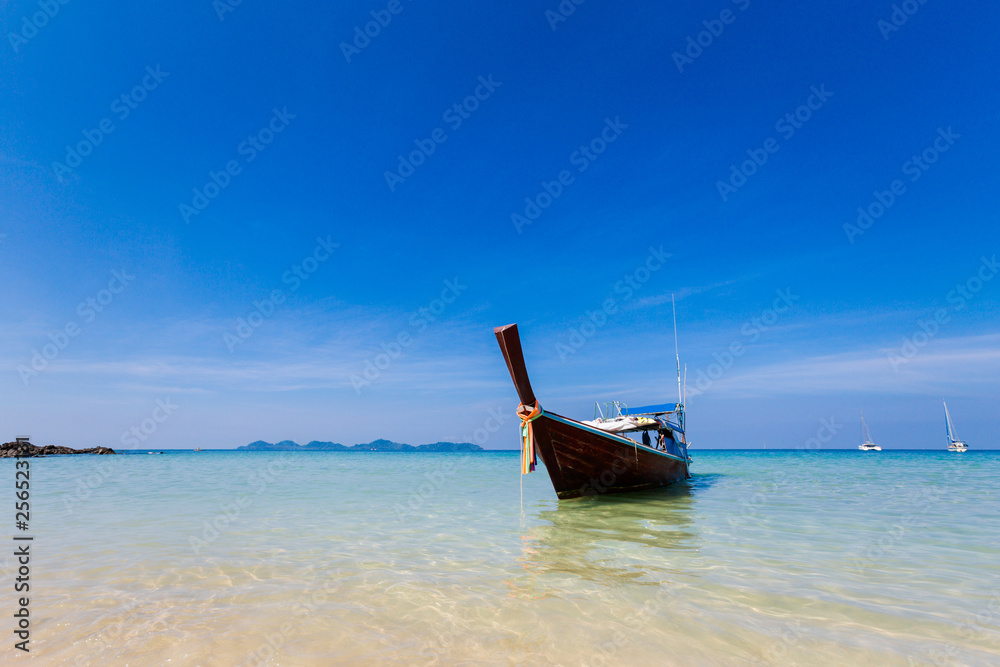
pixel 25 449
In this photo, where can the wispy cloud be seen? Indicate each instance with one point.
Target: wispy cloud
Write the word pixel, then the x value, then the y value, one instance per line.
pixel 295 351
pixel 683 293
pixel 957 365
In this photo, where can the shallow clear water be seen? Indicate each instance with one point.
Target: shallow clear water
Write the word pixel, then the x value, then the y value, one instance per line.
pixel 808 558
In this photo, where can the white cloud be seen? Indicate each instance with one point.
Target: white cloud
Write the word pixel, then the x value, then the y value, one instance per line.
pixel 682 293
pixel 962 366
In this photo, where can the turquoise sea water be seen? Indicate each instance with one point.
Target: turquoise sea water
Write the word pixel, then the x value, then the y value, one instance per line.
pixel 221 558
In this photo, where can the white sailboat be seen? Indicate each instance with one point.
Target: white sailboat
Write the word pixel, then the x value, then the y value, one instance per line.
pixel 867 445
pixel 954 444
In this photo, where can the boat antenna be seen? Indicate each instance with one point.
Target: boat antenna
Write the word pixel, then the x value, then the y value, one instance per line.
pixel 685 385
pixel 680 395
pixel 684 402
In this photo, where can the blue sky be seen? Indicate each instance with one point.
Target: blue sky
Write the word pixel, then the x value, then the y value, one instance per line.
pixel 245 171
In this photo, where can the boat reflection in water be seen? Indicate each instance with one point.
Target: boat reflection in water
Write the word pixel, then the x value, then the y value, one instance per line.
pixel 609 540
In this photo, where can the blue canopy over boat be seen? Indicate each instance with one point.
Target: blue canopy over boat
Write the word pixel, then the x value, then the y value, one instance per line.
pixel 653 409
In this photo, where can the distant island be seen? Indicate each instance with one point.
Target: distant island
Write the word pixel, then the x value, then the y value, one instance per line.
pixel 374 446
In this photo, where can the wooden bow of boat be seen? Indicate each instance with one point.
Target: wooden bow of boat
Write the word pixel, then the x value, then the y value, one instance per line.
pixel 510 345
pixel 583 460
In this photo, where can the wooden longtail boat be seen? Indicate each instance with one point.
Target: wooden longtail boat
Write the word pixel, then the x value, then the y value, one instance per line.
pixel 590 458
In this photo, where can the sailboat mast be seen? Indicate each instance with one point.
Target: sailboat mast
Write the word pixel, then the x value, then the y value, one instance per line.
pixel 947 422
pixel 947 419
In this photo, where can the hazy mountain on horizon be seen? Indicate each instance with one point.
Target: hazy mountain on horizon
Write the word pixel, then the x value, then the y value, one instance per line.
pixel 380 445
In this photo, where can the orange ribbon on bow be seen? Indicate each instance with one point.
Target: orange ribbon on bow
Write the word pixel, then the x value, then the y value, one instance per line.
pixel 528 457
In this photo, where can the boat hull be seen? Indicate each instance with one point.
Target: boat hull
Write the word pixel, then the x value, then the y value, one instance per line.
pixel 586 462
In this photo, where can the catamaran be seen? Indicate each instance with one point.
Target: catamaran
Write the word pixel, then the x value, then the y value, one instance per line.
pixel 866 437
pixel 613 453
pixel 954 444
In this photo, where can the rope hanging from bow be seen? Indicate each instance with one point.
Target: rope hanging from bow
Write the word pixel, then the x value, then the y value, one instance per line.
pixel 528 457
